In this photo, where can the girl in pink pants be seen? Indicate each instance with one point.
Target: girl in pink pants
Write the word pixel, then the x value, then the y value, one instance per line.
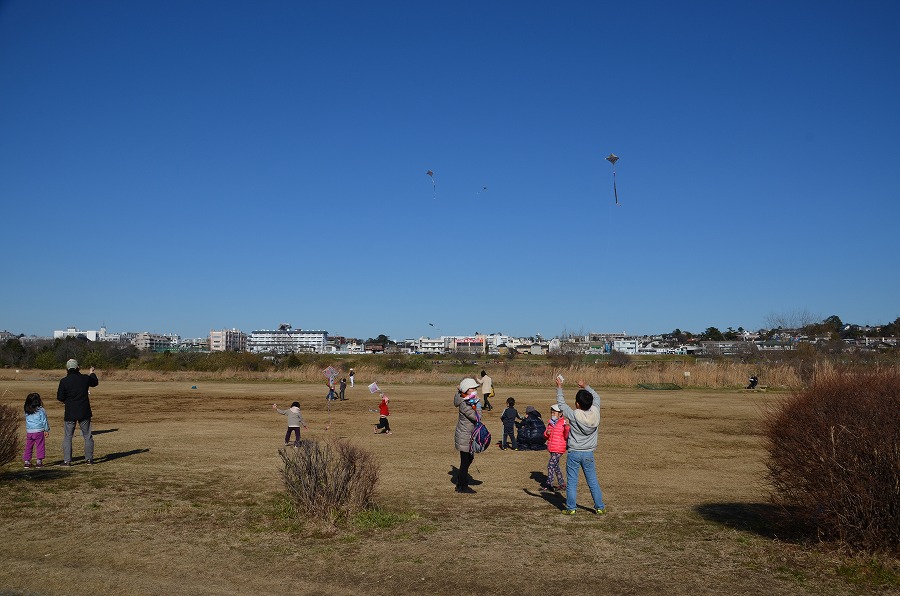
pixel 36 429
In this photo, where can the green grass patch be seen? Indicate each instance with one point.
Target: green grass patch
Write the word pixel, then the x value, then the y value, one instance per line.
pixel 870 573
pixel 379 519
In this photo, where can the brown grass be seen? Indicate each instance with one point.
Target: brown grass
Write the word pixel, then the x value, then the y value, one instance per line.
pixel 531 372
pixel 186 498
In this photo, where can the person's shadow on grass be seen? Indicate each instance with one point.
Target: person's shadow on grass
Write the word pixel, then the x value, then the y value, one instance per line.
pixel 454 476
pixel 108 457
pixel 552 497
pixel 104 431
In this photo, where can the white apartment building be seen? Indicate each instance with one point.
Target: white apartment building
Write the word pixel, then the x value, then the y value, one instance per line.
pixel 426 345
pixel 626 346
pixel 76 332
pixel 286 341
pixel 227 340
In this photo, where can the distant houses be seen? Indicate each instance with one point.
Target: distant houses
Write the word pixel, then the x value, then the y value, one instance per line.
pixel 287 340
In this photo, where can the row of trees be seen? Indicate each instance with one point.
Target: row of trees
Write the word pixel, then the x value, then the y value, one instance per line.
pixel 53 354
pixel 832 327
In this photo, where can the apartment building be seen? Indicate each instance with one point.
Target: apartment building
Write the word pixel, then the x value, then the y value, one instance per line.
pixel 227 340
pixel 286 341
pixel 155 342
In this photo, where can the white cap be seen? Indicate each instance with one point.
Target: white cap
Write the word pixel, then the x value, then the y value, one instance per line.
pixel 71 364
pixel 556 408
pixel 467 384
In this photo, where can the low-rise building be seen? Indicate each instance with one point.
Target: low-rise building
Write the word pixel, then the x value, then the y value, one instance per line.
pixel 227 340
pixel 155 342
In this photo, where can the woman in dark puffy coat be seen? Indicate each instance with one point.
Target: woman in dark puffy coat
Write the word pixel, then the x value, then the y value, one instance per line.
pixel 531 431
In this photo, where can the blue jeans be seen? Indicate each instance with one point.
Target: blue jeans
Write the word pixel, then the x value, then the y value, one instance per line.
pixel 583 460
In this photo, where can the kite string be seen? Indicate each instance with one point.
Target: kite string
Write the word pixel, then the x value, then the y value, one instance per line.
pixel 615 191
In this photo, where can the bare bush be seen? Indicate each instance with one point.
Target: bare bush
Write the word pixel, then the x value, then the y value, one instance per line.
pixel 327 480
pixel 10 446
pixel 834 452
pixel 619 359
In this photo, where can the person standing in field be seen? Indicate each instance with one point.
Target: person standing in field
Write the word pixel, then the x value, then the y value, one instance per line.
pixel 343 387
pixel 352 372
pixel 37 428
pixel 584 423
pixel 74 393
pixel 330 384
pixel 294 422
pixel 509 417
pixel 466 401
pixel 383 416
pixel 557 434
pixel 487 389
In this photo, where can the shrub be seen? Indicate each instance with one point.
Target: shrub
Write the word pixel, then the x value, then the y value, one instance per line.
pixel 619 359
pixel 10 448
pixel 834 451
pixel 326 480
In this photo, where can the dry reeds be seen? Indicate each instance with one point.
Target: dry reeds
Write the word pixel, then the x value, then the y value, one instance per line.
pixel 10 446
pixel 689 373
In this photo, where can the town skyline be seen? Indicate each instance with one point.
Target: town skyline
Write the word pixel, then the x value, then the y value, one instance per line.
pixel 790 321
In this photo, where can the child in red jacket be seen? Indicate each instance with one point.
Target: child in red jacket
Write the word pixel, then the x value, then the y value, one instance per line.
pixel 383 418
pixel 557 434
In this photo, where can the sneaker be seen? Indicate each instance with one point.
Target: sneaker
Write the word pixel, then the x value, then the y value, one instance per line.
pixel 66 463
pixel 568 512
pixel 89 462
pixel 39 464
pixel 27 463
pixel 600 510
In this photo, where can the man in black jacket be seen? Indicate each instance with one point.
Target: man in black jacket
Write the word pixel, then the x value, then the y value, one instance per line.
pixel 74 393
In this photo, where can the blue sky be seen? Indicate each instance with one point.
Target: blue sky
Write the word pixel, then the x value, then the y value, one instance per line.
pixel 182 166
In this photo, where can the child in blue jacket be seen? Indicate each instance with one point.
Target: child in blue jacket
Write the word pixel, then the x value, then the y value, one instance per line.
pixel 37 428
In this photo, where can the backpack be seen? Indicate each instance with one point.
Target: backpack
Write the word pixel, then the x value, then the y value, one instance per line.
pixel 481 436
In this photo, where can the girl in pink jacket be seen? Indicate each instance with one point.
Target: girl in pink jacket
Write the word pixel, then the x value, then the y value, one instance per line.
pixel 557 434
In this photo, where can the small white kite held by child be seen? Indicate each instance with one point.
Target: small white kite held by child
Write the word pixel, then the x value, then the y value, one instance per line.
pixel 373 388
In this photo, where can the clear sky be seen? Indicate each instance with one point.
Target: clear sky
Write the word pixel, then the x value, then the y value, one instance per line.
pixel 181 166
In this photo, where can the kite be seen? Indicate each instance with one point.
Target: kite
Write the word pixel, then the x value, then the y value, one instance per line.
pixel 433 184
pixel 374 387
pixel 613 159
pixel 330 373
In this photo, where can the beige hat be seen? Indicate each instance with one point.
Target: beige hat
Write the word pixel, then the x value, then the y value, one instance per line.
pixel 467 384
pixel 71 364
pixel 556 408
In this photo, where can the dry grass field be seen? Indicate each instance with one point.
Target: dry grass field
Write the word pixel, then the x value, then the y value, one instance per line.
pixel 186 499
